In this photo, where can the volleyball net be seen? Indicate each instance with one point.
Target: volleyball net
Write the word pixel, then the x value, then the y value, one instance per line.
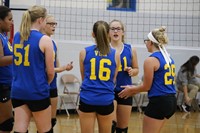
pixel 76 18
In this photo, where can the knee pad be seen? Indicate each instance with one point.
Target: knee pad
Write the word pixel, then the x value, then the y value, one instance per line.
pixel 53 122
pixel 114 123
pixel 7 125
pixel 121 130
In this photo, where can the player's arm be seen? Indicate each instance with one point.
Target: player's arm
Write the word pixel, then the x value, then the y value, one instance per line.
pixel 4 60
pixel 150 65
pixel 134 70
pixel 59 68
pixel 46 47
pixel 81 60
pixel 117 60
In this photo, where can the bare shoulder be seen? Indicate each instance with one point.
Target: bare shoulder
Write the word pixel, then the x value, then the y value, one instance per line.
pixel 82 54
pixel 134 50
pixel 150 60
pixel 45 43
pixel 46 39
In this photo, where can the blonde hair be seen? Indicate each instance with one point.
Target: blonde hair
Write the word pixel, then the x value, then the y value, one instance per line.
pixel 49 16
pixel 160 35
pixel 30 16
pixel 122 26
pixel 100 30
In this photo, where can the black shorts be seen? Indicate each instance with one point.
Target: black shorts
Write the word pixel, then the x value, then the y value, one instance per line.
pixel 122 101
pixel 33 105
pixel 53 93
pixel 161 107
pixel 102 110
pixel 4 93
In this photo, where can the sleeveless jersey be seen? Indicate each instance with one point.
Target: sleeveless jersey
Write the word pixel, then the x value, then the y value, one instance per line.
pixel 53 84
pixel 29 74
pixel 98 87
pixel 164 77
pixel 126 61
pixel 6 71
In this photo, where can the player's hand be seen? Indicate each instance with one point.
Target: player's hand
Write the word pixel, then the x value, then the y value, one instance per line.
pixel 128 91
pixel 129 70
pixel 69 66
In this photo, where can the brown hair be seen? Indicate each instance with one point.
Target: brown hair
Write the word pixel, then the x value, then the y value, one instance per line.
pixel 30 16
pixel 100 30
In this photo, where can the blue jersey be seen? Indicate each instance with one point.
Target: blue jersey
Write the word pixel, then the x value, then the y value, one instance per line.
pixel 53 84
pixel 163 80
pixel 98 87
pixel 6 71
pixel 123 77
pixel 29 74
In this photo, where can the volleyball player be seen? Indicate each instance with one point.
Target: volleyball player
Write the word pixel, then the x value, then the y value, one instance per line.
pixel 98 67
pixel 49 30
pixel 159 75
pixel 6 117
pixel 33 71
pixel 127 69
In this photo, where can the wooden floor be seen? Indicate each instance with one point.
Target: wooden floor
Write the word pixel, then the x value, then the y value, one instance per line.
pixel 181 122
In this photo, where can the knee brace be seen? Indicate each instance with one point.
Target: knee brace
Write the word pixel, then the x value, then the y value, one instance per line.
pixel 7 125
pixel 53 122
pixel 121 130
pixel 114 123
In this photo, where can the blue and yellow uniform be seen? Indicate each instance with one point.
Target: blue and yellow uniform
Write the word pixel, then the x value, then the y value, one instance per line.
pixel 6 71
pixel 98 87
pixel 53 84
pixel 29 74
pixel 123 77
pixel 162 100
pixel 164 78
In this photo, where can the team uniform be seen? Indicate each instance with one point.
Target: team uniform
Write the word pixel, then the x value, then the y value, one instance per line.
pixel 123 77
pixel 5 71
pixel 30 84
pixel 97 89
pixel 53 84
pixel 162 100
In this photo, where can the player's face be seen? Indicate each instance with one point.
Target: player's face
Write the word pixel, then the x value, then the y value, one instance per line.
pixel 6 24
pixel 50 26
pixel 116 32
pixel 148 44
